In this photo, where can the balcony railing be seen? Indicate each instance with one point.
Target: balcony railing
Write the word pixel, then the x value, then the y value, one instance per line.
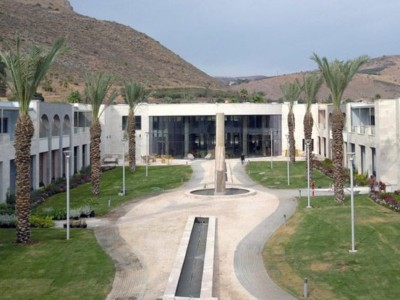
pixel 370 130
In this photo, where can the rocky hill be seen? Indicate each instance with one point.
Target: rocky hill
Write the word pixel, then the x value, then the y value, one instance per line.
pixel 379 78
pixel 95 46
pixel 130 55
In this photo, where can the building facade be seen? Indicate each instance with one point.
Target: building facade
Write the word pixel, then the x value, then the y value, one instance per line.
pixel 58 127
pixel 372 132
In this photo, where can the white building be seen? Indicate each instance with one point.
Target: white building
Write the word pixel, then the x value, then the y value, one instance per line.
pixel 371 131
pixel 58 127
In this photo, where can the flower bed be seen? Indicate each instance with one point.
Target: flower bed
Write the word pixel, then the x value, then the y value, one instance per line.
pixel 387 199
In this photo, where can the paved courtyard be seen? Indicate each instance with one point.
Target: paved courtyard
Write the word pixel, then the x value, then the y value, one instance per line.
pixel 143 237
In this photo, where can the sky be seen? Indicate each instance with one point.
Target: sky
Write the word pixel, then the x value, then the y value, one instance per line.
pixel 258 37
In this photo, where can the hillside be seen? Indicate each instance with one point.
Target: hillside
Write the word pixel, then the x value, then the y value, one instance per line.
pixel 130 55
pixel 380 76
pixel 95 46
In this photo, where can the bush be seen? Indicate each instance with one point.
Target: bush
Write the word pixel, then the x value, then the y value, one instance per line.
pixel 361 180
pixel 85 211
pixel 74 97
pixel 328 163
pixel 75 213
pixel 7 221
pixel 42 222
pixel 5 209
pixel 59 214
pixel 10 200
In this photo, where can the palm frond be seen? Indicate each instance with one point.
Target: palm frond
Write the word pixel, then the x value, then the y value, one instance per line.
pixel 26 71
pixel 291 92
pixel 338 74
pixel 134 93
pixel 311 84
pixel 97 92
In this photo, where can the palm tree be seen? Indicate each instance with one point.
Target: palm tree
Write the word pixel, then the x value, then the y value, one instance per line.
pixel 3 84
pixel 337 76
pixel 25 71
pixel 134 93
pixel 310 86
pixel 291 92
pixel 97 88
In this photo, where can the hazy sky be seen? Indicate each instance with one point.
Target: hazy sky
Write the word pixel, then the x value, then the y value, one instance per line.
pixel 258 37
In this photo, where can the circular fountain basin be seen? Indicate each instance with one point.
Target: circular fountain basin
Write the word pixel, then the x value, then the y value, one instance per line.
pixel 229 192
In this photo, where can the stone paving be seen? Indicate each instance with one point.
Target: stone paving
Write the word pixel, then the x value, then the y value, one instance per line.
pixel 142 237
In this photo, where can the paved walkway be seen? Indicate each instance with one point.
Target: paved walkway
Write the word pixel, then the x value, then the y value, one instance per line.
pixel 142 237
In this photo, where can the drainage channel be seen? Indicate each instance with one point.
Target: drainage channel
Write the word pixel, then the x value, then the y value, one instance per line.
pixel 193 270
pixel 189 284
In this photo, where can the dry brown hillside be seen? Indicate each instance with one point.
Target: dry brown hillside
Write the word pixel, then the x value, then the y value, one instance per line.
pixel 381 76
pixel 95 46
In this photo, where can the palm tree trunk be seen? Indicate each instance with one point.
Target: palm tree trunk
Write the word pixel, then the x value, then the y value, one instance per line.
pixel 23 135
pixel 337 154
pixel 95 140
pixel 292 142
pixel 132 141
pixel 308 123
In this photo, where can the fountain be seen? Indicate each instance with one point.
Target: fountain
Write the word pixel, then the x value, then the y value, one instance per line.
pixel 220 188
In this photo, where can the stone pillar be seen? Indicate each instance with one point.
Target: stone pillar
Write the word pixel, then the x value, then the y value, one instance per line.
pixel 245 131
pixel 186 136
pixel 220 174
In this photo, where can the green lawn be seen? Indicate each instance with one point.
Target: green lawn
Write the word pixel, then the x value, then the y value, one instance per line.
pixel 276 177
pixel 159 178
pixel 53 268
pixel 315 244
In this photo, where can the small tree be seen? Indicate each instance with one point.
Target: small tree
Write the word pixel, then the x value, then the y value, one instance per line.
pixel 97 89
pixel 291 92
pixel 310 86
pixel 25 72
pixel 134 93
pixel 337 76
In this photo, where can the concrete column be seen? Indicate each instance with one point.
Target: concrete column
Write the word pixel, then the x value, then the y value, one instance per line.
pixel 186 135
pixel 220 174
pixel 245 134
pixel 263 135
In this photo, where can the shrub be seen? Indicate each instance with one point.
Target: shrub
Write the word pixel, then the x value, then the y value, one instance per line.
pixel 74 97
pixel 361 180
pixel 10 199
pixel 59 214
pixel 85 211
pixel 5 209
pixel 41 222
pixel 7 220
pixel 328 163
pixel 75 213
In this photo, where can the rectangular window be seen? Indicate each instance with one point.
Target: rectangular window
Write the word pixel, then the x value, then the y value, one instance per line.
pixel 3 125
pixel 124 122
pixel 138 122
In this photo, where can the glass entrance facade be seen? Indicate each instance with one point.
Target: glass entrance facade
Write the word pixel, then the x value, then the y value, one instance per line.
pixel 252 135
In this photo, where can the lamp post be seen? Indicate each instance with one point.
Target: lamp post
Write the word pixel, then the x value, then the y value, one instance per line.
pixel 351 158
pixel 147 154
pixel 287 161
pixel 67 156
pixel 123 167
pixel 308 142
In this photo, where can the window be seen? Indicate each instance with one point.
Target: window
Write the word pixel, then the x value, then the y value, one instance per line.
pixel 3 125
pixel 124 122
pixel 138 123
